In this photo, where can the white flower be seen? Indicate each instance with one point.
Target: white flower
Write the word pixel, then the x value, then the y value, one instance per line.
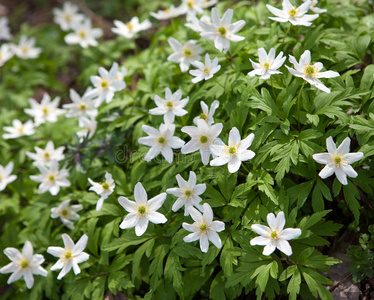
pixel 51 178
pixel 274 236
pixel 310 73
pixel 194 24
pixel 6 53
pixel 89 128
pixel 67 17
pixel 169 13
pixel 187 193
pixel 25 48
pixel 129 29
pixel 5 177
pixel 207 115
pixel 142 210
pixel 102 189
pixel 84 34
pixel 191 6
pixel 45 111
pixel 18 129
pixel 205 71
pixel 234 153
pixel 315 9
pixel 171 106
pixel 268 64
pixel 222 31
pixel 162 140
pixel 204 228
pixel 4 29
pixel 184 54
pixel 106 85
pixel 81 106
pixel 121 73
pixel 66 213
pixel 338 160
pixel 293 14
pixel 70 256
pixel 23 264
pixel 202 138
pixel 46 156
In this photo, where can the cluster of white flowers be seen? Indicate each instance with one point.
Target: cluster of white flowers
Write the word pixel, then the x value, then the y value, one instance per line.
pixel 25 48
pixel 204 136
pixel 27 264
pixel 82 33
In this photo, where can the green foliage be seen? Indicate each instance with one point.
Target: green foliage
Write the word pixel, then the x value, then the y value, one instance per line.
pixel 290 119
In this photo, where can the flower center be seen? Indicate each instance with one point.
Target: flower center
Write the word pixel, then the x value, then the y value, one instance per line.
pixel 203 139
pixel 104 84
pixel 231 150
pixel 266 65
pixel 190 4
pixel 68 255
pixel 293 11
pixel 129 26
pixel 187 52
pixel 47 156
pixel 188 193
pixel 45 111
pixel 105 186
pixel 24 264
pixel 82 34
pixel 25 49
pixel 141 209
pixel 274 235
pixel 67 18
pixel 309 70
pixel 82 107
pixel 203 116
pixel 51 178
pixel 64 212
pixel 20 130
pixel 169 104
pixel 206 70
pixel 337 160
pixel 161 140
pixel 222 30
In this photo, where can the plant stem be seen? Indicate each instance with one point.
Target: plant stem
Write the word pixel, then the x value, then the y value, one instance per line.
pixel 215 80
pixel 298 106
pixel 245 168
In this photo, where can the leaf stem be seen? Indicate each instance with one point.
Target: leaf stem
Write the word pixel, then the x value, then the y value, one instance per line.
pixel 245 168
pixel 216 81
pixel 298 106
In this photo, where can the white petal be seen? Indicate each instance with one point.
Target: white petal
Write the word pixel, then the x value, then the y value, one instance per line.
pixel 260 229
pixel 349 170
pixel 156 202
pixel 217 226
pixel 284 246
pixel 269 249
pixel 68 242
pixel 280 221
pixel 353 157
pixel 156 217
pixel 191 237
pixel 129 221
pixel 126 204
pixel 259 240
pixel 234 164
pixel 322 158
pixel 290 233
pixel 80 245
pixel 208 213
pixel 344 146
pixel 341 175
pixel 215 239
pixel 141 227
pixel 140 193
pixel 204 243
pixel 327 171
